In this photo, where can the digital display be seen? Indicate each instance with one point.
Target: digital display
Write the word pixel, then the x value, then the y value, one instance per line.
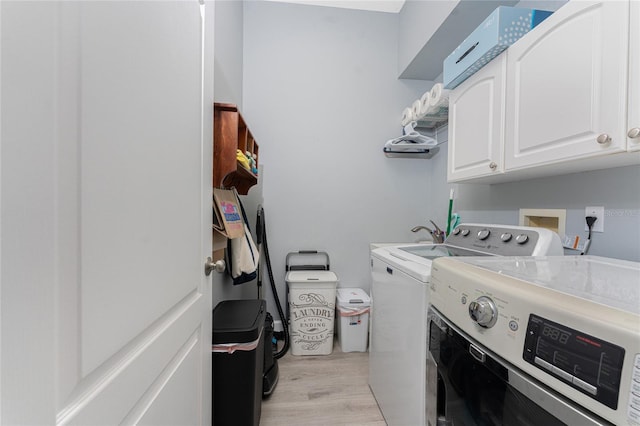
pixel 555 334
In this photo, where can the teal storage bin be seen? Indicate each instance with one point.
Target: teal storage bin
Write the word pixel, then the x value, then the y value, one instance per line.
pixel 500 30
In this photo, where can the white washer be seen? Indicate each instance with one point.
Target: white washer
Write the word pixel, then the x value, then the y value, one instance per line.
pixel 399 303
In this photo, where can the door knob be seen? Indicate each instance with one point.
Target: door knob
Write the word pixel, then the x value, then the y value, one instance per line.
pixel 210 265
pixel 634 133
pixel 493 165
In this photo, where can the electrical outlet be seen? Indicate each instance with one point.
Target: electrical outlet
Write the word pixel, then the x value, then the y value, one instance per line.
pixel 598 212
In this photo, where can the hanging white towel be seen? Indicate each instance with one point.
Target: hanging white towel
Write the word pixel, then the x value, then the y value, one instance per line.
pixel 242 254
pixel 245 256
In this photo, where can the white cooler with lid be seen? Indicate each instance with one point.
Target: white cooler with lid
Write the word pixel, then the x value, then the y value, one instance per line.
pixel 353 324
pixel 312 303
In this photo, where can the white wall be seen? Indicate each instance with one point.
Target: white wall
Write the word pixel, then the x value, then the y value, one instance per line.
pixel 418 22
pixel 228 52
pixel 501 203
pixel 321 95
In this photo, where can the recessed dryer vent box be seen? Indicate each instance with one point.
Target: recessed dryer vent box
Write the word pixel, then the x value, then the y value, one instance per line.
pixel 552 219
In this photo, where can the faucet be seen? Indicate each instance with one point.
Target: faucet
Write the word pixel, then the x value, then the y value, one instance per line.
pixel 437 234
pixel 417 228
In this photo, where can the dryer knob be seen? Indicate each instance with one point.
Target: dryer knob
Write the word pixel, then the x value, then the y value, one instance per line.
pixel 483 312
pixel 522 238
pixel 465 232
pixel 506 237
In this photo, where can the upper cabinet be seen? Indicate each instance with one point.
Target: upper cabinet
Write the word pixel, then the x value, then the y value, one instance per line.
pixel 633 123
pixel 231 135
pixel 566 96
pixel 571 98
pixel 476 134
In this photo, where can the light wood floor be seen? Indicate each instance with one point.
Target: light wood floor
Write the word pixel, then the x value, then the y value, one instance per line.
pixel 322 390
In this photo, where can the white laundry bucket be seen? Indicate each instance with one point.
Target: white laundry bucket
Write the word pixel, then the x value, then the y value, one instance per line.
pixel 353 319
pixel 312 302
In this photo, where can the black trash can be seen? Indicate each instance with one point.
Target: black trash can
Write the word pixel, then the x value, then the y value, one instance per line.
pixel 238 358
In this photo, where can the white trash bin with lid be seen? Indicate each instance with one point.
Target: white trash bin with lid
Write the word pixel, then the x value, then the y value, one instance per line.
pixel 353 323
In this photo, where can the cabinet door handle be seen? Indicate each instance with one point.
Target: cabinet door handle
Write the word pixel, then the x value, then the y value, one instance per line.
pixel 493 165
pixel 634 133
pixel 603 139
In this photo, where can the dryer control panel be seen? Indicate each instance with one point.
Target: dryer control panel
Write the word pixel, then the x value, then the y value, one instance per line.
pixel 591 365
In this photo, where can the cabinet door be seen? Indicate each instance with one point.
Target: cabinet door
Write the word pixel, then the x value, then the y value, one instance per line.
pixel 567 86
pixel 633 124
pixel 476 126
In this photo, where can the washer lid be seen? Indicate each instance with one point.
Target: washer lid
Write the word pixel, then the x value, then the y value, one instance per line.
pixel 415 266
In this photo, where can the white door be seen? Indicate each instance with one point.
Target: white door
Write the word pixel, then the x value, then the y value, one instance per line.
pixel 566 86
pixel 105 212
pixel 476 123
pixel 633 124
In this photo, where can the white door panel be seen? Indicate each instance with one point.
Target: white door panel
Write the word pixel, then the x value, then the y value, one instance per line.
pixel 570 102
pixel 567 86
pixel 141 369
pixel 163 411
pixel 105 213
pixel 121 199
pixel 27 237
pixel 634 76
pixel 476 133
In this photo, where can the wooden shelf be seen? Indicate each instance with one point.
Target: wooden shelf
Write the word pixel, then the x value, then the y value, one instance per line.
pixel 230 134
